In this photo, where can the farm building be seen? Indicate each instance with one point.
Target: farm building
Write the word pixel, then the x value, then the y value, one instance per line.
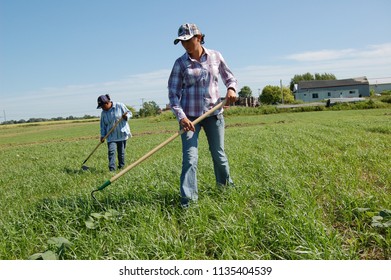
pixel 378 85
pixel 317 90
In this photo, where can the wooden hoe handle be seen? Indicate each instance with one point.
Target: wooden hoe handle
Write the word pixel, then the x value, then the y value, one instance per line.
pixel 157 148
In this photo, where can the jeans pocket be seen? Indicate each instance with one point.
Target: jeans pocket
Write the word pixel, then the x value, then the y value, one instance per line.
pixel 220 120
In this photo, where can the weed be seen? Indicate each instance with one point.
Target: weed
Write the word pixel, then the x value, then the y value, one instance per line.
pixel 57 247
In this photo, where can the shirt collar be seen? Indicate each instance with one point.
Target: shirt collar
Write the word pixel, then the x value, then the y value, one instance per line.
pixel 206 52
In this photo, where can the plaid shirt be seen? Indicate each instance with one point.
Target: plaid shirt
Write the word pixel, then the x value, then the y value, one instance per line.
pixel 193 85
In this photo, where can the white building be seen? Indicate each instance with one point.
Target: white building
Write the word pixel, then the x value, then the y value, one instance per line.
pixel 318 90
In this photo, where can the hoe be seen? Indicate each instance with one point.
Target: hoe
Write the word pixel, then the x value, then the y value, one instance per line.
pixel 150 153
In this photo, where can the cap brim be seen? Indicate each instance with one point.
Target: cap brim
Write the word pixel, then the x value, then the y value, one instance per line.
pixel 183 38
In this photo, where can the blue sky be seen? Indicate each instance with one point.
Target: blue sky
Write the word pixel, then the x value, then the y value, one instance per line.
pixel 57 57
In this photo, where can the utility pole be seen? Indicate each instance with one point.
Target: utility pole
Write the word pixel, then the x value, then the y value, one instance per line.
pixel 282 93
pixel 5 118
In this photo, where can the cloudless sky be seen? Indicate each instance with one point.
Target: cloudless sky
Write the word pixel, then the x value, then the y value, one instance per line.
pixel 58 56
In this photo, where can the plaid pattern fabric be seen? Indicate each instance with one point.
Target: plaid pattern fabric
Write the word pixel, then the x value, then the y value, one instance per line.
pixel 110 117
pixel 187 31
pixel 193 86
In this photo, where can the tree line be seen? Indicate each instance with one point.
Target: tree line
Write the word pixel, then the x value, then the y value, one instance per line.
pixel 35 120
pixel 148 109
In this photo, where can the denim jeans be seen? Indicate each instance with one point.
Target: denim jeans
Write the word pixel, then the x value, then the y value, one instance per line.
pixel 118 147
pixel 214 130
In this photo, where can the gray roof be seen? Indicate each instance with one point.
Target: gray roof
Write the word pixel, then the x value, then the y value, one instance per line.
pixel 332 83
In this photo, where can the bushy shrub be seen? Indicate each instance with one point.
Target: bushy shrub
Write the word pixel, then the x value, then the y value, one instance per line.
pixel 307 109
pixel 165 116
pixel 369 104
pixel 386 99
pixel 240 110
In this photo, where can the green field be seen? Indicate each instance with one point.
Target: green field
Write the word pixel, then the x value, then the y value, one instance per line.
pixel 309 185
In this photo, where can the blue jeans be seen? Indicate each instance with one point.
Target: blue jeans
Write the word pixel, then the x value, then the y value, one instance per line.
pixel 214 130
pixel 119 147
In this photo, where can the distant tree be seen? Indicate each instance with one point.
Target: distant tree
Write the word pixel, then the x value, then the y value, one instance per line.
pixel 86 117
pixel 57 119
pixel 325 76
pixel 34 120
pixel 272 95
pixel 149 109
pixel 297 78
pixel 245 92
pixel 309 77
pixel 131 109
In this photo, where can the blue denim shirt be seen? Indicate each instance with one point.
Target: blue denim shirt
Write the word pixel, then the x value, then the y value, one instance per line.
pixel 108 120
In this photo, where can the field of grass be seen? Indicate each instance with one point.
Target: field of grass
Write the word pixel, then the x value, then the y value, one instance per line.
pixel 309 185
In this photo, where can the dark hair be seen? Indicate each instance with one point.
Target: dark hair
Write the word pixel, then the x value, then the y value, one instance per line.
pixel 202 39
pixel 108 96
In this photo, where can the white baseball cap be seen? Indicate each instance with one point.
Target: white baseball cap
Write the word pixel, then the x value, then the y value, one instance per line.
pixel 186 32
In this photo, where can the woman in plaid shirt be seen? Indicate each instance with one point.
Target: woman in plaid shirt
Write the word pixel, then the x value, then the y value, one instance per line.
pixel 193 90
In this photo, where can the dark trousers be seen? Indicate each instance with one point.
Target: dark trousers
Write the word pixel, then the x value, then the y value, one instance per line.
pixel 119 148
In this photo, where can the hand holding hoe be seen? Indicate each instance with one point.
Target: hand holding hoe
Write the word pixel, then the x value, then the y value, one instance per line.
pixel 84 167
pixel 147 155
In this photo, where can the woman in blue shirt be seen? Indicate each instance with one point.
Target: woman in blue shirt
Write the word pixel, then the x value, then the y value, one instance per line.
pixel 116 141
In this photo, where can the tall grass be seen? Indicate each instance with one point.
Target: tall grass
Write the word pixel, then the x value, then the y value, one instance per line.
pixel 308 186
